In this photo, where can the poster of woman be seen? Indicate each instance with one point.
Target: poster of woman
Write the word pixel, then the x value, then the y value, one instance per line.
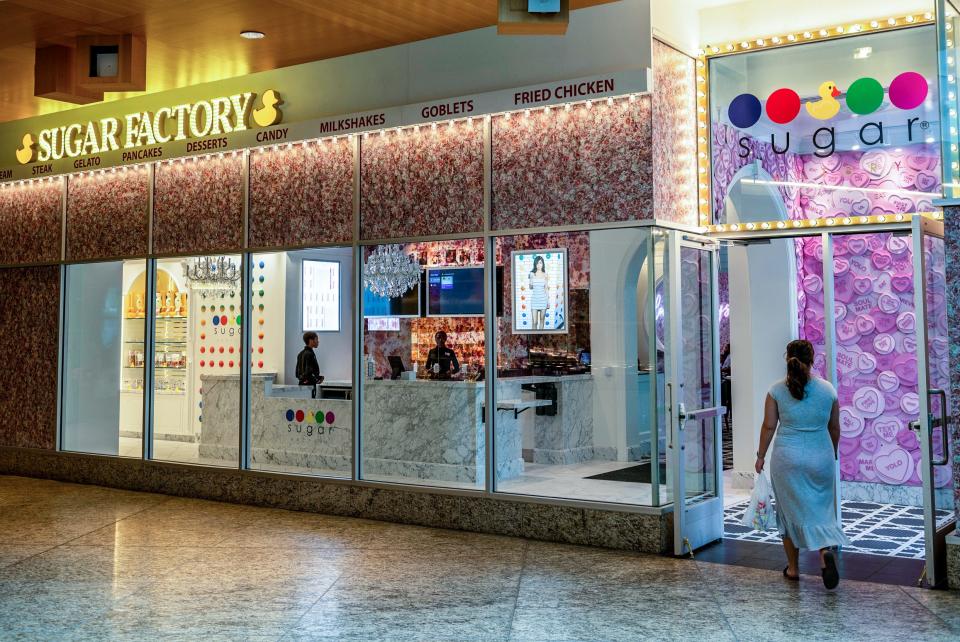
pixel 540 291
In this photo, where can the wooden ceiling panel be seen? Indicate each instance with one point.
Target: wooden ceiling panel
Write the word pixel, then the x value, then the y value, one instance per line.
pixel 195 41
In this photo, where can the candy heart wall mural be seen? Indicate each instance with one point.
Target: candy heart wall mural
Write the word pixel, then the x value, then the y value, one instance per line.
pixel 855 183
pixel 876 349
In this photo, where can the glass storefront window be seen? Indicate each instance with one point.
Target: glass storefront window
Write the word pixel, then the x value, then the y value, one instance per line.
pixel 579 357
pixel 301 408
pixel 197 343
pixel 847 127
pixel 423 414
pixel 103 366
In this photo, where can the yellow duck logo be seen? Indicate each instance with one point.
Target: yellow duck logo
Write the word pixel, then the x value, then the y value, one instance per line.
pixel 828 106
pixel 27 153
pixel 268 114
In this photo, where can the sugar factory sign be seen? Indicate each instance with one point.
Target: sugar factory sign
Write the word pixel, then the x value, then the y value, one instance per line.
pixel 214 117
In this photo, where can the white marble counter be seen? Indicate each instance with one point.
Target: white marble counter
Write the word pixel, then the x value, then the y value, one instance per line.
pixel 433 429
pixel 421 429
pixel 288 427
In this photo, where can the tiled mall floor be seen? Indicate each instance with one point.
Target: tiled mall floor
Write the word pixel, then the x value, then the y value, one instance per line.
pixel 82 562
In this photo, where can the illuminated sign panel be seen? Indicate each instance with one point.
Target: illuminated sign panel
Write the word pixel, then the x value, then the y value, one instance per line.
pixel 221 115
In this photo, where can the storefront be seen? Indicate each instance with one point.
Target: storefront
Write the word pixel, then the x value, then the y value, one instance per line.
pixel 550 224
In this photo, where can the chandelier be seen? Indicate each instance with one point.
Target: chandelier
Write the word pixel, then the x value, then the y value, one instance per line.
pixel 212 273
pixel 389 272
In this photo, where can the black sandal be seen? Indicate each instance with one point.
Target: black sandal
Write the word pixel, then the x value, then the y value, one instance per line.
pixel 792 578
pixel 831 576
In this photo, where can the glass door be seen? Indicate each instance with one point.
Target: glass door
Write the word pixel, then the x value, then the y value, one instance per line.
pixel 933 371
pixel 692 390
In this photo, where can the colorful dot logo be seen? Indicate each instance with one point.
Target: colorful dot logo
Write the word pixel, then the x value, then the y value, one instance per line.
pixel 300 416
pixel 864 96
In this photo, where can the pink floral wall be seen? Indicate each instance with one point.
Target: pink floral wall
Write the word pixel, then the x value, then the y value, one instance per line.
pixel 30 222
pixel 29 317
pixel 580 166
pixel 674 135
pixel 422 183
pixel 302 195
pixel 107 214
pixel 198 205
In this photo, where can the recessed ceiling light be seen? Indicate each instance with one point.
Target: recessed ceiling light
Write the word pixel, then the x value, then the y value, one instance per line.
pixel 252 35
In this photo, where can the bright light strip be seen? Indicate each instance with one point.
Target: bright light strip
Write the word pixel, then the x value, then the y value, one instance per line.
pixel 840 188
pixel 833 222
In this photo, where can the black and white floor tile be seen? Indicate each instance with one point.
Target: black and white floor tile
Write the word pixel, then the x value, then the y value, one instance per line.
pixel 877 529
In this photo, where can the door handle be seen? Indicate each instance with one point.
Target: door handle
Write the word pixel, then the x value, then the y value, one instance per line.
pixel 942 425
pixel 670 406
pixel 703 413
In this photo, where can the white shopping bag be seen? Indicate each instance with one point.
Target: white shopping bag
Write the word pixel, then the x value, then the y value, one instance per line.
pixel 760 515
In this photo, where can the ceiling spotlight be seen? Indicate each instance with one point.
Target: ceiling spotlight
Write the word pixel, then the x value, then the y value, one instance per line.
pixel 252 35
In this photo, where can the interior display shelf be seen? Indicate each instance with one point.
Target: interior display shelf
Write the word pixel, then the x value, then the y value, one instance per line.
pixel 156 367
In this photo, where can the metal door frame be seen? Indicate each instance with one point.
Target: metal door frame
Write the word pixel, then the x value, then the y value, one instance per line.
pixel 701 522
pixel 935 551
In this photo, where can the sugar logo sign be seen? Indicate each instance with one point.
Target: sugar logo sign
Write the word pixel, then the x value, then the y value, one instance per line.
pixel 310 423
pixel 863 97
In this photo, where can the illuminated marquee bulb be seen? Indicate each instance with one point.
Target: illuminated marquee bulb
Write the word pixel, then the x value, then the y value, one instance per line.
pixel 775 40
pixel 760 42
pixel 791 37
pixel 807 35
pixel 910 19
pixel 745 45
pixel 823 32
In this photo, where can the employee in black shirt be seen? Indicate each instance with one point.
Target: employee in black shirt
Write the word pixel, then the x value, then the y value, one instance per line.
pixel 308 370
pixel 442 356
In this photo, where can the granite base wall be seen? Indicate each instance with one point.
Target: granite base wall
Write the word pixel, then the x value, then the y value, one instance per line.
pixel 647 533
pixel 953 562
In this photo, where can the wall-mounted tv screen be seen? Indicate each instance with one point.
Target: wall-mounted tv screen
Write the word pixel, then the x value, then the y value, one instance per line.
pixel 455 292
pixel 321 296
pixel 540 291
pixel 406 305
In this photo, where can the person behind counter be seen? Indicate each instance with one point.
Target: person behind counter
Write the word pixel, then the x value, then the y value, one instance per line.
pixel 308 370
pixel 441 359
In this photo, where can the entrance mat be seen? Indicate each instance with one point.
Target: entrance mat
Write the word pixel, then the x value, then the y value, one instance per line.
pixel 877 529
pixel 635 474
